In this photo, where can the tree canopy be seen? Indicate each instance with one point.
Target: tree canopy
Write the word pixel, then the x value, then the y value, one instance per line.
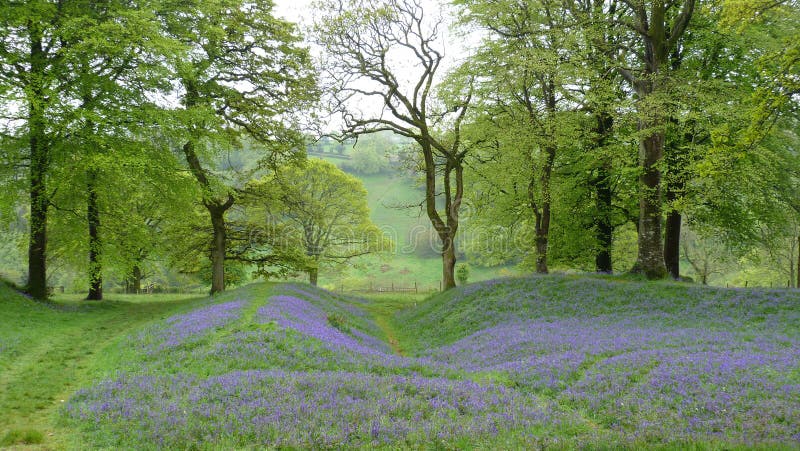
pixel 169 137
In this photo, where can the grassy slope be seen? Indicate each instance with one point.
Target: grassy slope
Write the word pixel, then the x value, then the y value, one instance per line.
pixel 724 358
pixel 456 314
pixel 394 206
pixel 255 345
pixel 47 351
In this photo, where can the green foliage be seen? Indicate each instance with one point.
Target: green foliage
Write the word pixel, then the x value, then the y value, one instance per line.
pixel 372 154
pixel 367 161
pixel 236 273
pixel 338 321
pixel 310 216
pixel 462 273
pixel 99 98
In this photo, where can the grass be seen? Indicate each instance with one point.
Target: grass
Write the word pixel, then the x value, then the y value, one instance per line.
pixel 49 350
pixel 383 308
pixel 557 361
pixel 394 200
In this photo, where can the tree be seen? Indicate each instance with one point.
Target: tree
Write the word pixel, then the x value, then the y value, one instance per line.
pixel 778 65
pixel 604 100
pixel 657 28
pixel 370 155
pixel 706 255
pixel 243 73
pixel 111 128
pixel 320 207
pixel 37 40
pixel 74 71
pixel 524 77
pixel 370 49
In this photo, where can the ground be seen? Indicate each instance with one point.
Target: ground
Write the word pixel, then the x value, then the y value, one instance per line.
pixel 519 363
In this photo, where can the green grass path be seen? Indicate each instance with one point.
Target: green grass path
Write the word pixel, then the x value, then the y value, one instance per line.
pixel 383 309
pixel 57 349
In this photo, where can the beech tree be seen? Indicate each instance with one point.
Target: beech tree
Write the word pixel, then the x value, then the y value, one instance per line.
pixel 524 79
pixel 243 73
pixel 656 31
pixel 390 55
pixel 63 67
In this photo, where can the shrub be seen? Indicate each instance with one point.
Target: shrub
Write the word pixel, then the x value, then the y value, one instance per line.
pixel 462 273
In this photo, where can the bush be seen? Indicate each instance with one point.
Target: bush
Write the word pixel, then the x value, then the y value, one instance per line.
pixel 338 321
pixel 462 273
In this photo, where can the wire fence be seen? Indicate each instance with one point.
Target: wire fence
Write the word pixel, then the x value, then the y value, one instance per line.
pixel 392 288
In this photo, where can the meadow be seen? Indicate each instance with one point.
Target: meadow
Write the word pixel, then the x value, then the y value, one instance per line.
pixel 534 362
pixel 394 201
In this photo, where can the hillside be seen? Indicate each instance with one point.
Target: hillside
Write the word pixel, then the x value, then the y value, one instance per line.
pixel 652 362
pixel 47 351
pixel 394 201
pixel 540 361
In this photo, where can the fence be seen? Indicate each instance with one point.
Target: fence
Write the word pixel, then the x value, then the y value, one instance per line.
pixel 393 288
pixel 747 284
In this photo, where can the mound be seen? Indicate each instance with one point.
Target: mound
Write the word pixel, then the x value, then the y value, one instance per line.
pixel 292 366
pixel 19 315
pixel 652 362
pixel 538 361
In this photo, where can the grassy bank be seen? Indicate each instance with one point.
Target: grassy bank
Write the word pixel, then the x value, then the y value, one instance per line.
pixel 564 362
pixel 49 350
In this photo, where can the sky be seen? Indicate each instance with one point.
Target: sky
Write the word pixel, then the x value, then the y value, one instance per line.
pixel 293 10
pixel 301 12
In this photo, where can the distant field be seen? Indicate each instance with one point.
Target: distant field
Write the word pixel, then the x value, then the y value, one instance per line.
pixel 518 363
pixel 394 200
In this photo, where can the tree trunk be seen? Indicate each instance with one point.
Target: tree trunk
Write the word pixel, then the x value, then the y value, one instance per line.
pixel 39 166
pixel 542 218
pixel 216 210
pixel 313 273
pixel 541 253
pixel 215 206
pixel 797 278
pixel 136 279
pixel 650 260
pixel 660 33
pixel 93 218
pixel 604 228
pixel 449 264
pixel 543 221
pixel 445 231
pixel 217 248
pixel 676 158
pixel 672 239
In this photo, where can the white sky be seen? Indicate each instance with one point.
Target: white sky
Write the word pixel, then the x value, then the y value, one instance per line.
pixel 293 10
pixel 301 12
